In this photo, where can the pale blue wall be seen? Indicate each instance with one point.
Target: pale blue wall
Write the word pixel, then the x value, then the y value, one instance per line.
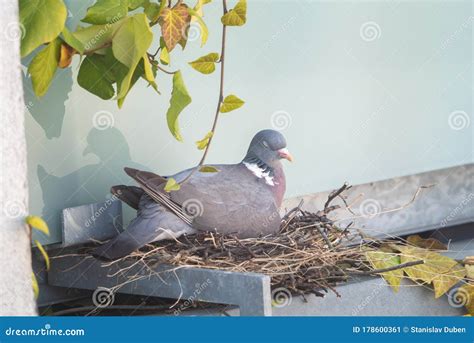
pixel 359 110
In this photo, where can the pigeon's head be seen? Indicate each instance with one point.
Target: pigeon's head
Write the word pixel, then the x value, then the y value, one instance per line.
pixel 269 147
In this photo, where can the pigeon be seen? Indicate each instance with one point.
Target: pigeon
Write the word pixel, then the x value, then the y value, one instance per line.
pixel 240 199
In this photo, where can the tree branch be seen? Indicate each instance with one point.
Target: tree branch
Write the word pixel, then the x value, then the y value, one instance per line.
pixel 389 269
pixel 219 101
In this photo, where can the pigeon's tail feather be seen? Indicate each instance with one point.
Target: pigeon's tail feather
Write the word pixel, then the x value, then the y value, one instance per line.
pixel 154 223
pixel 153 184
pixel 128 194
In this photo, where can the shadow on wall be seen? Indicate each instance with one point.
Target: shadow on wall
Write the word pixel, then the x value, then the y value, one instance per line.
pixel 91 183
pixel 49 111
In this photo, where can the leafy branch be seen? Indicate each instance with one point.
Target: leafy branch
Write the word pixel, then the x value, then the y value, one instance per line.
pixel 208 139
pixel 113 48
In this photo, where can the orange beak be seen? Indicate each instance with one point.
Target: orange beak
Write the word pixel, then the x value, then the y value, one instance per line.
pixel 284 153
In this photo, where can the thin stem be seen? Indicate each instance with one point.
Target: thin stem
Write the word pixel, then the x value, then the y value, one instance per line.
pixel 167 71
pixel 389 269
pixel 219 100
pixel 151 59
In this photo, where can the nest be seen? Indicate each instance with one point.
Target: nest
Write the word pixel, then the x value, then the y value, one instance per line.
pixel 309 254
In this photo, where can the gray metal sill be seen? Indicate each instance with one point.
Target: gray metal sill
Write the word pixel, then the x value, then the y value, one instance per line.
pixel 251 292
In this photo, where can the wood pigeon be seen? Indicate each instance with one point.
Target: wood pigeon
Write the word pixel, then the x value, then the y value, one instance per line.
pixel 241 199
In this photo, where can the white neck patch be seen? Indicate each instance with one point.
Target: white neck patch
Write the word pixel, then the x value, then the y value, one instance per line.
pixel 260 173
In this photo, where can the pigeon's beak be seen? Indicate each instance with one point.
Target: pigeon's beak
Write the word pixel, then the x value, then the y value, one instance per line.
pixel 284 153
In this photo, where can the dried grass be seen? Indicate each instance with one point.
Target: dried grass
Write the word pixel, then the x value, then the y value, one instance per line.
pixel 309 254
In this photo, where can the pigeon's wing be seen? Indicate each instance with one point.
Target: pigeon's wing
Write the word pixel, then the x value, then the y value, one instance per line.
pixel 153 185
pixel 232 200
pixel 153 223
pixel 128 194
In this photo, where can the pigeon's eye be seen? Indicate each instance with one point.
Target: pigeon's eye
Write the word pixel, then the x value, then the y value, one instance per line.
pixel 265 144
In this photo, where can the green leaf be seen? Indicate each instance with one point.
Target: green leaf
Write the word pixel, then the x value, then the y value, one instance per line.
pixel 202 25
pixel 134 4
pixel 95 37
pixel 199 6
pixel 172 185
pixel 129 45
pixel 34 284
pixel 37 223
pixel 152 11
pixel 465 295
pixel 382 260
pixel 208 169
pixel 435 264
pixel 469 265
pixel 205 64
pixel 429 243
pixel 443 282
pixel 237 15
pixel 72 41
pixel 174 23
pixel 44 253
pixel 106 11
pixel 139 72
pixel 43 66
pixel 42 21
pixel 179 100
pixel 230 103
pixel 164 56
pixel 148 73
pixel 94 76
pixel 202 144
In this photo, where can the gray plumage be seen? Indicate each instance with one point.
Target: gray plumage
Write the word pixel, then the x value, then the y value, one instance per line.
pixel 241 199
